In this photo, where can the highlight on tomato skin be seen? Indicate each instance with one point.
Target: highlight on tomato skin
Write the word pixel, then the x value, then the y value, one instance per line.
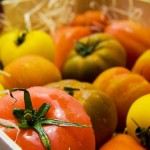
pixel 60 137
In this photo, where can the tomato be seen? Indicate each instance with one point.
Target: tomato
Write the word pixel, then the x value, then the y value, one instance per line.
pixel 34 70
pixel 96 104
pixel 65 38
pixel 137 122
pixel 122 141
pixel 57 105
pixel 124 87
pixel 96 20
pixel 142 64
pixel 91 55
pixel 15 44
pixel 132 35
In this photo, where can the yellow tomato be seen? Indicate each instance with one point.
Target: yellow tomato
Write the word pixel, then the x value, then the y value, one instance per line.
pixel 16 44
pixel 138 120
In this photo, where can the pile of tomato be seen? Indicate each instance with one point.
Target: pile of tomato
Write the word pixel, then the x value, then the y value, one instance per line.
pixel 83 87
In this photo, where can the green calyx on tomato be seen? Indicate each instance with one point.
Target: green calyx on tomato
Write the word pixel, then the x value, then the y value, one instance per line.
pixel 91 55
pixel 21 37
pixel 70 90
pixel 85 49
pixel 30 118
pixel 143 134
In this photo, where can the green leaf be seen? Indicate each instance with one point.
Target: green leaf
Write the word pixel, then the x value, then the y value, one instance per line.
pixel 42 110
pixel 70 90
pixel 44 138
pixel 61 123
pixel 23 125
pixel 85 49
pixel 18 114
pixel 27 98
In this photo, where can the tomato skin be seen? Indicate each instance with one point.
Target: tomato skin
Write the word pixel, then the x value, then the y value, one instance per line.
pixel 107 53
pixel 124 87
pixel 139 113
pixel 60 137
pixel 29 76
pixel 35 42
pixel 132 35
pixel 122 142
pixel 64 39
pixel 142 64
pixel 96 104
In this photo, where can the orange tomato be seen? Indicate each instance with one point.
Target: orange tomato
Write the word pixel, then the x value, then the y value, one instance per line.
pixel 124 87
pixel 64 39
pixel 122 142
pixel 132 35
pixel 96 20
pixel 142 64
pixel 29 71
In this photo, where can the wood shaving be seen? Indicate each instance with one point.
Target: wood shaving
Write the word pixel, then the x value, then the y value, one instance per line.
pixel 46 15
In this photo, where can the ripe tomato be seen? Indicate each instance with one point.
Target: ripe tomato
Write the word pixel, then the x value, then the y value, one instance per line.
pixel 142 64
pixel 62 107
pixel 132 35
pixel 34 70
pixel 138 121
pixel 122 142
pixel 91 55
pixel 64 39
pixel 96 104
pixel 124 87
pixel 15 44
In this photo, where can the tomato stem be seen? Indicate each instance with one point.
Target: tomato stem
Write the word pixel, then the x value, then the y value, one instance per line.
pixel 143 134
pixel 70 90
pixel 85 49
pixel 31 118
pixel 21 37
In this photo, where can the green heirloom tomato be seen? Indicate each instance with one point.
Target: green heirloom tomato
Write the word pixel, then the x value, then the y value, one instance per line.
pixel 15 44
pixel 91 55
pixel 98 105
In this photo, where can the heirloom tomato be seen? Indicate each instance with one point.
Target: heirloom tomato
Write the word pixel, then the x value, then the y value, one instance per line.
pixel 98 105
pixel 48 119
pixel 137 122
pixel 27 71
pixel 91 55
pixel 15 44
pixel 142 64
pixel 124 87
pixel 132 35
pixel 122 141
pixel 64 39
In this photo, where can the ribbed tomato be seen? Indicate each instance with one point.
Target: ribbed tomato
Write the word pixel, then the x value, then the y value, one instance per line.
pixel 49 119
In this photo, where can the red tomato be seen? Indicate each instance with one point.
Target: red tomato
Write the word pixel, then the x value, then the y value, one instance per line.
pixel 63 107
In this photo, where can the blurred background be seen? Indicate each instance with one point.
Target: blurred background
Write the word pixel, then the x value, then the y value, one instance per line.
pixel 50 14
